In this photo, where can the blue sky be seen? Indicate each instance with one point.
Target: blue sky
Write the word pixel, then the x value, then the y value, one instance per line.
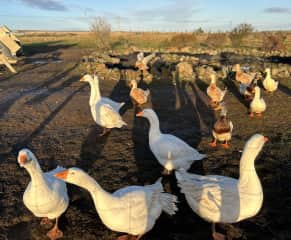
pixel 147 15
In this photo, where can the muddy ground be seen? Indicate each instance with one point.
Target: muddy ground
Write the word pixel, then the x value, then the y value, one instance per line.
pixel 45 108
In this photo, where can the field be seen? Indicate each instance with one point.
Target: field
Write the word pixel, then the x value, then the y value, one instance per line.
pixel 45 108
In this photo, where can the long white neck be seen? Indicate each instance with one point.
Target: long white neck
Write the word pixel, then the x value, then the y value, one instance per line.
pixel 36 174
pixel 154 125
pixel 95 91
pixel 257 94
pixel 100 197
pixel 213 80
pixel 134 85
pixel 268 75
pixel 248 178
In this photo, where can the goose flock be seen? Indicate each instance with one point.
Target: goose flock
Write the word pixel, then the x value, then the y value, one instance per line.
pixel 134 210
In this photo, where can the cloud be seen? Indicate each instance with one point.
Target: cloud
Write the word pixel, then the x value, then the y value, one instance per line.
pixel 50 5
pixel 174 11
pixel 277 10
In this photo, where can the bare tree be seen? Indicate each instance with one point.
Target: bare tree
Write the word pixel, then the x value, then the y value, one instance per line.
pixel 101 30
pixel 243 28
pixel 238 33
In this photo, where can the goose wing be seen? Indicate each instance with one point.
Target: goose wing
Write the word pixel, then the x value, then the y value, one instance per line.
pixel 109 117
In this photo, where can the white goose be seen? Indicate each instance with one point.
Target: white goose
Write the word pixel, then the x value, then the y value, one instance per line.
pixel 170 151
pixel 132 210
pixel 142 61
pixel 258 104
pixel 45 196
pixel 269 83
pixel 105 111
pixel 224 199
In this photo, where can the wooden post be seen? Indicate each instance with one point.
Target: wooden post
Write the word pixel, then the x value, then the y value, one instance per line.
pixel 5 61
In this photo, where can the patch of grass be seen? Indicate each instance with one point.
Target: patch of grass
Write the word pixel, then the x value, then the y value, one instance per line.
pixel 152 40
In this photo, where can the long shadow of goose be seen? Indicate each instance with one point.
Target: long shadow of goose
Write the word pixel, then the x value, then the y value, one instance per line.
pixel 92 147
pixel 284 89
pixel 51 90
pixel 5 106
pixel 27 140
pixel 229 83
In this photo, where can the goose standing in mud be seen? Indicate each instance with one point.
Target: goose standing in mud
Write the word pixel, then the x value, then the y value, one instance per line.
pixel 105 111
pixel 171 152
pixel 45 195
pixel 242 77
pixel 222 130
pixel 215 93
pixel 138 95
pixel 132 210
pixel 220 199
pixel 257 105
pixel 269 83
pixel 142 61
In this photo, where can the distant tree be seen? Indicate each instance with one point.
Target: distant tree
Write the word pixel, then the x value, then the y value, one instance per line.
pixel 101 30
pixel 199 30
pixel 243 28
pixel 238 33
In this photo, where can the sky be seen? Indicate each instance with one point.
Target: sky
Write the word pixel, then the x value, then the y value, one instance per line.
pixel 145 15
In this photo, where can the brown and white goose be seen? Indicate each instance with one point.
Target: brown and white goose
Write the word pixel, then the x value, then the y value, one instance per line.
pixel 222 130
pixel 138 95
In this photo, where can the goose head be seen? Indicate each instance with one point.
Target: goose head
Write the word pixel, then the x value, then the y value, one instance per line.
pixel 26 157
pixel 147 113
pixel 268 70
pixel 223 111
pixel 235 68
pixel 257 91
pixel 73 175
pixel 213 79
pixel 256 143
pixel 152 117
pixel 87 78
pixel 133 84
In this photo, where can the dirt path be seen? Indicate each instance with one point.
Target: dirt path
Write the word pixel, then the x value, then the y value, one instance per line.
pixel 45 108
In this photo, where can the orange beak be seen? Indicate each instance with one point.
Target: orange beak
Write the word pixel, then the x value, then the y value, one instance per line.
pixel 82 79
pixel 62 175
pixel 266 139
pixel 140 114
pixel 22 159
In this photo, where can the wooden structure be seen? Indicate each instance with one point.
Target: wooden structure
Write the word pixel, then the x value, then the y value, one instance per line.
pixel 4 60
pixel 10 48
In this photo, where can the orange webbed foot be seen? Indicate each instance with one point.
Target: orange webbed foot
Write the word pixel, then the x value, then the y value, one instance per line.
pixel 218 236
pixel 259 115
pixel 126 237
pixel 212 144
pixel 55 233
pixel 225 145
